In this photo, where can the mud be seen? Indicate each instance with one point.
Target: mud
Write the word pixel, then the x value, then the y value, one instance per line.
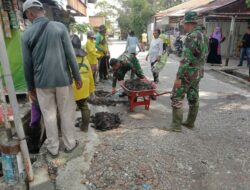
pixel 101 93
pixel 99 101
pixel 104 121
pixel 137 84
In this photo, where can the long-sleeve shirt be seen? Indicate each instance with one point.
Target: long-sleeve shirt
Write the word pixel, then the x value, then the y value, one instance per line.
pixel 101 44
pixel 132 43
pixel 193 57
pixel 92 54
pixel 246 40
pixel 156 49
pixel 132 65
pixel 87 80
pixel 52 60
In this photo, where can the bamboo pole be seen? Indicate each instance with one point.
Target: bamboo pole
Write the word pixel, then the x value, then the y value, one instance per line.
pixel 5 109
pixel 13 101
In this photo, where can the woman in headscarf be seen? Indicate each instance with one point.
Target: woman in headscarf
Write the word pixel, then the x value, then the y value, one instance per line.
pixel 215 41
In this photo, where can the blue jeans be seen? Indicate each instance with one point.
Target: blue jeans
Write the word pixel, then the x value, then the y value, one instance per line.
pixel 244 52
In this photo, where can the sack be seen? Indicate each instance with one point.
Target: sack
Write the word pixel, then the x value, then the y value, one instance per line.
pixel 157 68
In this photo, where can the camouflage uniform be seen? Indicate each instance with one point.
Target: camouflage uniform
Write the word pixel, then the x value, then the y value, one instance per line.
pixel 133 65
pixel 190 73
pixel 191 69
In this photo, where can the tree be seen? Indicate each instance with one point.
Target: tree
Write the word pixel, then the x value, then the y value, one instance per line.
pixel 79 28
pixel 108 11
pixel 136 14
pixel 141 13
pixel 248 3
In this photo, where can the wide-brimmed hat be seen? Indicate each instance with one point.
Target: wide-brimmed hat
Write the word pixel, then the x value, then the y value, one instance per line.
pixel 190 17
pixel 90 34
pixel 76 42
pixel 102 28
pixel 31 3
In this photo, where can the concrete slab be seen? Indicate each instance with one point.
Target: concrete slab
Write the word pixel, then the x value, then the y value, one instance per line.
pixel 71 175
pixel 42 180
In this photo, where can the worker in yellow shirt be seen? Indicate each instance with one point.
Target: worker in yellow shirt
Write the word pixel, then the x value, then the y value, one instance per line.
pixel 82 94
pixel 92 54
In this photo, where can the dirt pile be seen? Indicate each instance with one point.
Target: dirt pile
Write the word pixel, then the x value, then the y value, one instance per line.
pixel 104 121
pixel 137 85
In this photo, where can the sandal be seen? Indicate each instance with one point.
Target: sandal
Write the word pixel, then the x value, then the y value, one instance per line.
pixel 71 150
pixel 53 155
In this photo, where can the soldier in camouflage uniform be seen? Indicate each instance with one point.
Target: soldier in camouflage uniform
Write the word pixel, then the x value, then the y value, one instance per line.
pixel 122 66
pixel 189 74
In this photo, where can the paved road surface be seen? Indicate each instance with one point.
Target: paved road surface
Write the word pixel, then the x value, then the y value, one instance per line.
pixel 138 155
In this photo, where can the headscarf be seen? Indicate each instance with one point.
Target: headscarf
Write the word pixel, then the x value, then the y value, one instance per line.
pixel 217 34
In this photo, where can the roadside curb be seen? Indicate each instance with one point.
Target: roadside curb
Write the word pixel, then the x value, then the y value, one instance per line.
pixel 221 71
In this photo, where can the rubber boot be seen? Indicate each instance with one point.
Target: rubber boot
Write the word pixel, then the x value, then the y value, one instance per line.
pixel 192 114
pixel 177 117
pixel 85 120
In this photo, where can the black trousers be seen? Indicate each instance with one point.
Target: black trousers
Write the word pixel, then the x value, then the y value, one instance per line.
pixel 103 67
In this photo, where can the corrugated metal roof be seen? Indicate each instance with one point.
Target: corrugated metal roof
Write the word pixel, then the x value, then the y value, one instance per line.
pixel 205 6
pixel 179 10
pixel 213 6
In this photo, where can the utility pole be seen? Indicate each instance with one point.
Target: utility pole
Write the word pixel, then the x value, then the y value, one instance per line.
pixel 230 40
pixel 13 101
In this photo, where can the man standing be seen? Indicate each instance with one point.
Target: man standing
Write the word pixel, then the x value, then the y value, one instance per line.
pixel 132 43
pixel 189 74
pixel 102 49
pixel 245 50
pixel 155 52
pixel 49 59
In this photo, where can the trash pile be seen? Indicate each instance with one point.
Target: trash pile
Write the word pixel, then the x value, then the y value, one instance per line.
pixel 137 85
pixel 104 121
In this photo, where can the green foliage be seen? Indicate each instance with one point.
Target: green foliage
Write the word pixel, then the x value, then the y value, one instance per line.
pixel 136 14
pixel 248 3
pixel 133 14
pixel 79 28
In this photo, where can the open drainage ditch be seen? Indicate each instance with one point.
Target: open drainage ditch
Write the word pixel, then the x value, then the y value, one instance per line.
pixel 235 73
pixel 104 98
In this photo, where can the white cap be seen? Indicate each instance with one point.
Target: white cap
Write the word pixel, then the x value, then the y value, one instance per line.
pixel 31 3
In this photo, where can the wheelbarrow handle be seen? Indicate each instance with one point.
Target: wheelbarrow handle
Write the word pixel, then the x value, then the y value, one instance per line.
pixel 163 93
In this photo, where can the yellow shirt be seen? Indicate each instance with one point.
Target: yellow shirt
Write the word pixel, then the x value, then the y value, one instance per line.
pixel 144 38
pixel 88 86
pixel 92 52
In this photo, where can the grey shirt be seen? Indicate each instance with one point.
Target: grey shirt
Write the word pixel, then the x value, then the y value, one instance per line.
pixel 53 59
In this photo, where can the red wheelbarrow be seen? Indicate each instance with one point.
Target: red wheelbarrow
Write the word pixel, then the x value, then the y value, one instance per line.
pixel 142 97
